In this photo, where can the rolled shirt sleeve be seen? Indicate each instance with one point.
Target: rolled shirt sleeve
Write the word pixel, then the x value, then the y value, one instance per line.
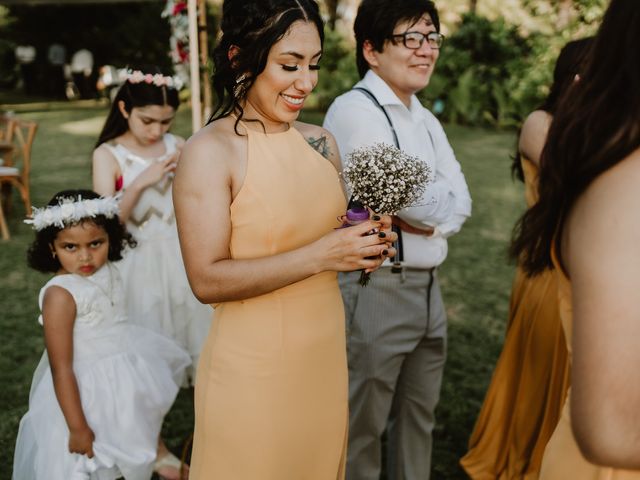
pixel 446 203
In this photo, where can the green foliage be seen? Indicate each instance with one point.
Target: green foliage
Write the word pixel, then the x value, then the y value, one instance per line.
pixel 462 97
pixel 490 73
pixel 567 16
pixel 338 73
pixel 476 69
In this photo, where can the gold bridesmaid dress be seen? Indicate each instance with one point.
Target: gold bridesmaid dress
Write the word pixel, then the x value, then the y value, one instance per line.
pixel 562 458
pixel 524 400
pixel 271 395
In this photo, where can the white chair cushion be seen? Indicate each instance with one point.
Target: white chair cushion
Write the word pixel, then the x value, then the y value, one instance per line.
pixel 9 172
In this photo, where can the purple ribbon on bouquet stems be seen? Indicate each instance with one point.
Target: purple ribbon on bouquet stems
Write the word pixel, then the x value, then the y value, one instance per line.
pixel 358 213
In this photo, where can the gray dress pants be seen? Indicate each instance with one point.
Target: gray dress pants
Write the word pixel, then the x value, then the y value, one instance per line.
pixel 396 340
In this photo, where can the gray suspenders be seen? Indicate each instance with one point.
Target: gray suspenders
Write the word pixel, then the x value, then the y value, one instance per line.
pixel 397 267
pixel 373 98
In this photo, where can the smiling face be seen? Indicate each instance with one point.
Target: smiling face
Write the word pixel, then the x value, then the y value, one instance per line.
pixel 82 249
pixel 406 71
pixel 148 124
pixel 291 73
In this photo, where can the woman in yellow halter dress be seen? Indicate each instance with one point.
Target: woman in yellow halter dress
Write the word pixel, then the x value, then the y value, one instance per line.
pixel 586 224
pixel 273 383
pixel 258 213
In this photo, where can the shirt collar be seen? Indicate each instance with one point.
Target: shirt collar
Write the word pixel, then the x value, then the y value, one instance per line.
pixel 385 95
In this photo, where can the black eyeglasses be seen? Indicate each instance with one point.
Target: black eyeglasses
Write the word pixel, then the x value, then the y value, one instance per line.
pixel 414 40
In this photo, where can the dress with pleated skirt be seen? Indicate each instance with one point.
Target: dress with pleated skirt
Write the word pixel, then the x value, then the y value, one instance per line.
pixel 562 458
pixel 271 395
pixel 525 397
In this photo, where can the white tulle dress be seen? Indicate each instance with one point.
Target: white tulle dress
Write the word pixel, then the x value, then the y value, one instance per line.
pixel 128 379
pixel 158 295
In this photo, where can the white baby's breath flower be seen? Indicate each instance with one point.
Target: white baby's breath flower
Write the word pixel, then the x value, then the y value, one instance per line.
pixel 385 178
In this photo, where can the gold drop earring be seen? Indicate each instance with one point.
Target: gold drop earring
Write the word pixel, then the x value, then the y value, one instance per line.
pixel 240 87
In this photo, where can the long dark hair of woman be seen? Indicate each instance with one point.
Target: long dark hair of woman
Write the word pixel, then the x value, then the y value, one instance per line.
pixel 570 62
pixel 140 94
pixel 595 127
pixel 252 27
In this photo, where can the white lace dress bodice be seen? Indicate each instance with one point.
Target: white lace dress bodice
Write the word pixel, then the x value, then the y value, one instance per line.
pixel 152 215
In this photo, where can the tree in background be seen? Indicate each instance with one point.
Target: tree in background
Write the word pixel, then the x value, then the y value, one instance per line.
pixel 495 66
pixel 493 71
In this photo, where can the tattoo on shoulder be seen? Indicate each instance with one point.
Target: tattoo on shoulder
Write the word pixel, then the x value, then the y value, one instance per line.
pixel 320 145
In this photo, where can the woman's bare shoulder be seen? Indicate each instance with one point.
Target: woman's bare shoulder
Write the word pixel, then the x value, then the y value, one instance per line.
pixel 321 140
pixel 179 140
pixel 533 135
pixel 216 142
pixel 311 131
pixel 612 198
pixel 537 119
pixel 620 181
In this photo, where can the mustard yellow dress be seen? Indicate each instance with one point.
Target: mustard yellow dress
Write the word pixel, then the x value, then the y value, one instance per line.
pixel 562 458
pixel 524 400
pixel 271 394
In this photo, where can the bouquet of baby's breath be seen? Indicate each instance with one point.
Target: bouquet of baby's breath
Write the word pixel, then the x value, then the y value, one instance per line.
pixel 385 179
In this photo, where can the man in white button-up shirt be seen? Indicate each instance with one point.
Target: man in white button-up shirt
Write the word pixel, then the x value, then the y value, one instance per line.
pixel 397 324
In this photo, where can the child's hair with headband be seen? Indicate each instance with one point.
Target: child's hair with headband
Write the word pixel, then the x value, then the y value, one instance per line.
pixel 141 88
pixel 69 208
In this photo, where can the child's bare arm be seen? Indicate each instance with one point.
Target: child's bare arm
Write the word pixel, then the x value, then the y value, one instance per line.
pixel 58 313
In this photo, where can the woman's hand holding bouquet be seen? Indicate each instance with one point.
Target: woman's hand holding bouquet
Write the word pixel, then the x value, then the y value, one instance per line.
pixel 355 248
pixel 384 179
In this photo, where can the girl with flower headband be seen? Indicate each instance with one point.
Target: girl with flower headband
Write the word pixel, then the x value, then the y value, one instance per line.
pixel 136 156
pixel 103 385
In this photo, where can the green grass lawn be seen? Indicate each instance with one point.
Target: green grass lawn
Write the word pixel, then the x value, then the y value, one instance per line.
pixel 476 278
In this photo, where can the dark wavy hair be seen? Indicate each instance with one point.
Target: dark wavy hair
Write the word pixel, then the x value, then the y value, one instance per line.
pixel 570 62
pixel 253 27
pixel 596 126
pixel 136 95
pixel 376 20
pixel 39 255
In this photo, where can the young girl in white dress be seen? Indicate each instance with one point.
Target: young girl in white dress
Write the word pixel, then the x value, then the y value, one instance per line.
pixel 103 385
pixel 135 154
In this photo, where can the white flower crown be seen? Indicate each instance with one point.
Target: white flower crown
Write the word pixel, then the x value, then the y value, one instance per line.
pixel 137 76
pixel 70 211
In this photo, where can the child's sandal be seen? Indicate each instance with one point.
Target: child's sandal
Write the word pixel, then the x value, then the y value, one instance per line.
pixel 169 461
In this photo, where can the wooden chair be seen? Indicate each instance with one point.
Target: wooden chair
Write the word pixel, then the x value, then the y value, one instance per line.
pixel 6 139
pixel 17 161
pixel 6 157
pixel 4 230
